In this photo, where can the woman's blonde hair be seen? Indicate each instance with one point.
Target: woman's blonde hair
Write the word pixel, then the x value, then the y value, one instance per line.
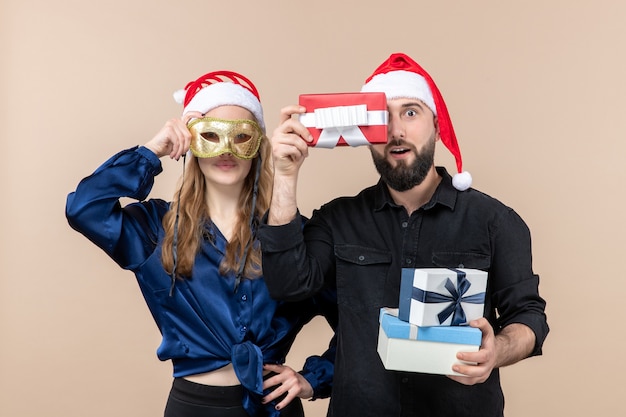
pixel 194 215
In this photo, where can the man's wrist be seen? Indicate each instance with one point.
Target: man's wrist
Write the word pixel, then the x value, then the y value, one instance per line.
pixel 284 207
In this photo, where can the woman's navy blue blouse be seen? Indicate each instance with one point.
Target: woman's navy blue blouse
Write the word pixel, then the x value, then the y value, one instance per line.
pixel 205 323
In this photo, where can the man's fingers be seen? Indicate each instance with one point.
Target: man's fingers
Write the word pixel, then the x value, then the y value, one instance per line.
pixel 288 111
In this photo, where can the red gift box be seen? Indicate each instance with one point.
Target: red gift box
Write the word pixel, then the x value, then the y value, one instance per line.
pixel 345 119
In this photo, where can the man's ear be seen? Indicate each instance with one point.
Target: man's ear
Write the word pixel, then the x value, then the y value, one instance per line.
pixel 436 123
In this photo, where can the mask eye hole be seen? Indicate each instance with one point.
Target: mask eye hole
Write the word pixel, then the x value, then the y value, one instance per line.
pixel 242 138
pixel 210 136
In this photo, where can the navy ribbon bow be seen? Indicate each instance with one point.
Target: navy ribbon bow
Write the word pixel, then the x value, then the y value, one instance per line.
pixel 455 298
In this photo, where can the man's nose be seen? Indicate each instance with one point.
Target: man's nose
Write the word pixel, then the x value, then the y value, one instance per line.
pixel 395 129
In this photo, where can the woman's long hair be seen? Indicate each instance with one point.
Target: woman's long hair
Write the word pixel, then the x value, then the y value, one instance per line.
pixel 194 214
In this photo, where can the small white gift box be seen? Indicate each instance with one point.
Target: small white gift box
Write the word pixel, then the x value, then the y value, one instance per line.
pixel 442 296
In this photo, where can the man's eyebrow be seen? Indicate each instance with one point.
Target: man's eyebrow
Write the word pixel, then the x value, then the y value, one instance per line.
pixel 413 104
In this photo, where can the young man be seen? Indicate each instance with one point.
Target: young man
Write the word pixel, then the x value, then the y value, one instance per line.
pixel 416 216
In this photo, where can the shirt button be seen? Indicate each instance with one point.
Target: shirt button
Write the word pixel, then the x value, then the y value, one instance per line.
pixel 408 261
pixel 244 298
pixel 405 380
pixel 405 224
pixel 243 329
pixel 361 258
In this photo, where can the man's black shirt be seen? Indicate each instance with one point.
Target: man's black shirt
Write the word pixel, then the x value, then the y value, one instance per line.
pixel 358 246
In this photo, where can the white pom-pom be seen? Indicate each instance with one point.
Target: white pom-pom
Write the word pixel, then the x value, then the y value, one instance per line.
pixel 179 96
pixel 462 181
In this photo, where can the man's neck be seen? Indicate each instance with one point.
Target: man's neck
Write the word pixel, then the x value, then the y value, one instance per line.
pixel 419 195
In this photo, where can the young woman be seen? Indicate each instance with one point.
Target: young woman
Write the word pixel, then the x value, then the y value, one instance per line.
pixel 197 260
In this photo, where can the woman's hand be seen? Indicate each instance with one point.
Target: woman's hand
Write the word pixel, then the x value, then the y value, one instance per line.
pixel 288 383
pixel 174 138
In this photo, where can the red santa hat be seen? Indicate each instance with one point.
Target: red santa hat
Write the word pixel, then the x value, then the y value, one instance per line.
pixel 221 88
pixel 401 77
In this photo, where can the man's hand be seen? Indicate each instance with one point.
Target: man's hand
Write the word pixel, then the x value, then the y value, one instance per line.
pixel 288 382
pixel 289 142
pixel 485 358
pixel 514 343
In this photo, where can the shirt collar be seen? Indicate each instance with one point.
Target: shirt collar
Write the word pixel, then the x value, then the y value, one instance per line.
pixel 445 193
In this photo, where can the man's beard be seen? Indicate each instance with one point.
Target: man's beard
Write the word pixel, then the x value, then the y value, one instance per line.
pixel 404 177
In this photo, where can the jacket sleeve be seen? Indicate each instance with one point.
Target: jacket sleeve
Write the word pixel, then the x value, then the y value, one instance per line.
pixel 319 370
pixel 515 288
pixel 127 234
pixel 295 269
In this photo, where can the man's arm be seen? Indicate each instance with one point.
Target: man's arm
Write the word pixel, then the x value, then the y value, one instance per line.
pixel 289 273
pixel 514 343
pixel 521 325
pixel 516 311
pixel 283 207
pixel 289 149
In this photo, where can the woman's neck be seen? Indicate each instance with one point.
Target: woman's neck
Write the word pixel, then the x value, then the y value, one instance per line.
pixel 223 204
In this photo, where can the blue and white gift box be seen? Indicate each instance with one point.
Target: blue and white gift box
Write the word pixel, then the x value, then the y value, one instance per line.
pixel 405 347
pixel 442 296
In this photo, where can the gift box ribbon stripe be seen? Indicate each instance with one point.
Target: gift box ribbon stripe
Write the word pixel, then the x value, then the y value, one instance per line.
pixel 343 121
pixel 455 298
pixel 344 116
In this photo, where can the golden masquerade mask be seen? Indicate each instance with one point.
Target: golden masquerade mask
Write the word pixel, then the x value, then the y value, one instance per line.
pixel 211 137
